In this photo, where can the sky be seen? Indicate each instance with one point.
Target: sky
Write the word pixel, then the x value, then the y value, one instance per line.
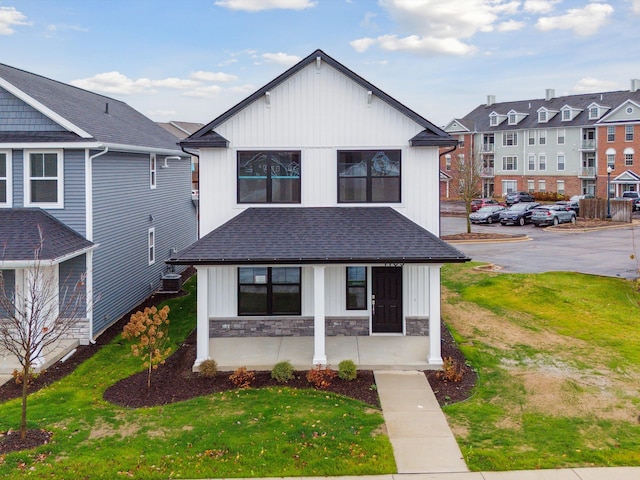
pixel 191 60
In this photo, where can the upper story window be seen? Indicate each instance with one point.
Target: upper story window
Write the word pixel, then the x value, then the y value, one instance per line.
pixel 611 133
pixel 269 177
pixel 152 170
pixel 542 137
pixel 542 162
pixel 369 176
pixel 542 116
pixel 594 113
pixel 5 179
pixel 269 291
pixel 531 162
pixel 562 135
pixel 611 161
pixel 447 162
pixel 513 119
pixel 628 133
pixel 532 137
pixel 561 162
pixel 566 115
pixel 628 157
pixel 43 179
pixel 493 119
pixel 509 163
pixel 509 139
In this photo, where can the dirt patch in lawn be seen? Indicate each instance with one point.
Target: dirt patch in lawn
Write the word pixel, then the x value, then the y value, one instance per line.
pixel 552 385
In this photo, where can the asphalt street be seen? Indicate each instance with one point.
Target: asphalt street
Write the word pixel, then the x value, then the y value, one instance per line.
pixel 604 252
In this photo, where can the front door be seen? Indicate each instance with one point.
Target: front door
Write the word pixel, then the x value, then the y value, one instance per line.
pixel 386 301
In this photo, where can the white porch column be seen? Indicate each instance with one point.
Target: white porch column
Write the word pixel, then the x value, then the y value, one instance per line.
pixel 319 355
pixel 435 356
pixel 202 310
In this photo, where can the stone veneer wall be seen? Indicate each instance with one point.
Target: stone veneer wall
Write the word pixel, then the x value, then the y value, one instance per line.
pixel 417 326
pixel 286 327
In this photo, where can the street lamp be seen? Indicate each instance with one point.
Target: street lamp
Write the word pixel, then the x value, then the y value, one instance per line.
pixel 609 191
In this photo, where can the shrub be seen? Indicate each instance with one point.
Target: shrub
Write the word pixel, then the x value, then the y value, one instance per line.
pixel 321 376
pixel 208 368
pixel 347 370
pixel 452 371
pixel 18 374
pixel 148 331
pixel 242 378
pixel 282 372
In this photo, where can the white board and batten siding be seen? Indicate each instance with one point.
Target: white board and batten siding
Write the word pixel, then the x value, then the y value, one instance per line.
pixel 319 112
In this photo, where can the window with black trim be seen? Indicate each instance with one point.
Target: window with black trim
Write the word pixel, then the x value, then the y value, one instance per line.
pixel 269 177
pixel 269 291
pixel 356 288
pixel 369 176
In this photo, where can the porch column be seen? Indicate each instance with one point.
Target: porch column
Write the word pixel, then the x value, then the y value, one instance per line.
pixel 319 355
pixel 202 313
pixel 435 355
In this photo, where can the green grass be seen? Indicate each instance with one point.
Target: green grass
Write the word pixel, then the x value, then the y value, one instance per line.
pixel 246 433
pixel 579 332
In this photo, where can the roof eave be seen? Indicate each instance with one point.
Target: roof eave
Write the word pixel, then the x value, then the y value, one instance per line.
pixel 319 261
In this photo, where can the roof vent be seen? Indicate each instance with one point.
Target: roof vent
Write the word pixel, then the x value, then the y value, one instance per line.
pixel 491 99
pixel 106 108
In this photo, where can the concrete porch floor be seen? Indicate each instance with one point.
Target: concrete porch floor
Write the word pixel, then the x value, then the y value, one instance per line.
pixel 374 352
pixel 9 362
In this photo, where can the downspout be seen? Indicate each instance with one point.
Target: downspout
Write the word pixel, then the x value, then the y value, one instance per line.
pixel 89 206
pixel 440 155
pixel 198 204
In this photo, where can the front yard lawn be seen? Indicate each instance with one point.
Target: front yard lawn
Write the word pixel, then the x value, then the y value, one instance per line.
pixel 242 433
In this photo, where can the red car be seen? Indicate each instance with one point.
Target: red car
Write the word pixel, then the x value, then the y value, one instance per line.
pixel 478 203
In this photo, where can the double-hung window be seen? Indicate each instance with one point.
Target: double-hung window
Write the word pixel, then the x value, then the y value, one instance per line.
pixel 531 162
pixel 269 177
pixel 542 162
pixel 43 179
pixel 510 139
pixel 542 137
pixel 356 288
pixel 561 162
pixel 628 133
pixel 509 163
pixel 152 171
pixel 561 136
pixel 5 179
pixel 369 176
pixel 532 137
pixel 269 291
pixel 611 133
pixel 151 245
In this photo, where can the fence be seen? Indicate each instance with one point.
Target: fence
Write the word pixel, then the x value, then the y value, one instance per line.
pixel 621 210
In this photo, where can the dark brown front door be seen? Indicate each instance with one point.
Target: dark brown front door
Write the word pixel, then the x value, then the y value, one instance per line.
pixel 387 300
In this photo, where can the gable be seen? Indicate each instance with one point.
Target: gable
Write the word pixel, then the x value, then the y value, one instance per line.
pixel 628 111
pixel 316 100
pixel 18 116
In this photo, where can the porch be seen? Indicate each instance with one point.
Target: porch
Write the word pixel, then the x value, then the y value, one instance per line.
pixel 387 352
pixel 9 362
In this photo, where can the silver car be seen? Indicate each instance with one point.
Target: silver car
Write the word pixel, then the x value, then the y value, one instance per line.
pixel 488 214
pixel 552 215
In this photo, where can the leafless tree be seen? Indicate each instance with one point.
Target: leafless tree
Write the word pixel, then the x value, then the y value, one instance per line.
pixel 35 314
pixel 468 175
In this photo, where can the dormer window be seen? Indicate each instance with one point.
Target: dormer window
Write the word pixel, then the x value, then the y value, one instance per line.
pixel 493 119
pixel 513 119
pixel 593 113
pixel 542 116
pixel 566 115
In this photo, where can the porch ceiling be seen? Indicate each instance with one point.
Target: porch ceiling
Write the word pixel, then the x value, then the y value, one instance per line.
pixel 322 235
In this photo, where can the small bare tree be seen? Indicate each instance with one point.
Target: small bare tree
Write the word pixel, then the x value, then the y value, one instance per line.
pixel 469 180
pixel 35 313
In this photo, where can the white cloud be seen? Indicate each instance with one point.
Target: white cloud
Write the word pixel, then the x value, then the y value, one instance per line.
pixel 362 44
pixel 540 6
pixel 117 83
pixel 583 21
pixel 635 6
pixel 368 20
pixel 417 44
pixel 209 91
pixel 10 17
pixel 203 76
pixel 281 58
pixel 258 5
pixel 590 84
pixel 510 26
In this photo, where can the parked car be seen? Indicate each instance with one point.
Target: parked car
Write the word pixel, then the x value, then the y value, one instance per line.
pixel 552 215
pixel 570 205
pixel 518 214
pixel 478 203
pixel 517 197
pixel 632 197
pixel 488 214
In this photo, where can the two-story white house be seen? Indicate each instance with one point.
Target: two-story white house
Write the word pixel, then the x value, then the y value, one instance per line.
pixel 319 215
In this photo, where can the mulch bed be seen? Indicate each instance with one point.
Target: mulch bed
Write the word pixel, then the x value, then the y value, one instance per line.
pixel 174 381
pixel 480 236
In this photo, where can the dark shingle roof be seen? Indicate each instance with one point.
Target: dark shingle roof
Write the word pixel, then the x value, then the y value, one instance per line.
pixel 478 119
pixel 433 134
pixel 20 230
pixel 290 235
pixel 122 124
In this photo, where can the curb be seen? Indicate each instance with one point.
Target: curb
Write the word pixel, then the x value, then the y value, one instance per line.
pixel 524 238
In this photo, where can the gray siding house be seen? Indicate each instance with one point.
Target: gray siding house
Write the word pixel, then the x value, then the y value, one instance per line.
pixel 103 172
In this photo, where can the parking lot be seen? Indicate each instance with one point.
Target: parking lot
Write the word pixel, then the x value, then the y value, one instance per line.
pixel 603 252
